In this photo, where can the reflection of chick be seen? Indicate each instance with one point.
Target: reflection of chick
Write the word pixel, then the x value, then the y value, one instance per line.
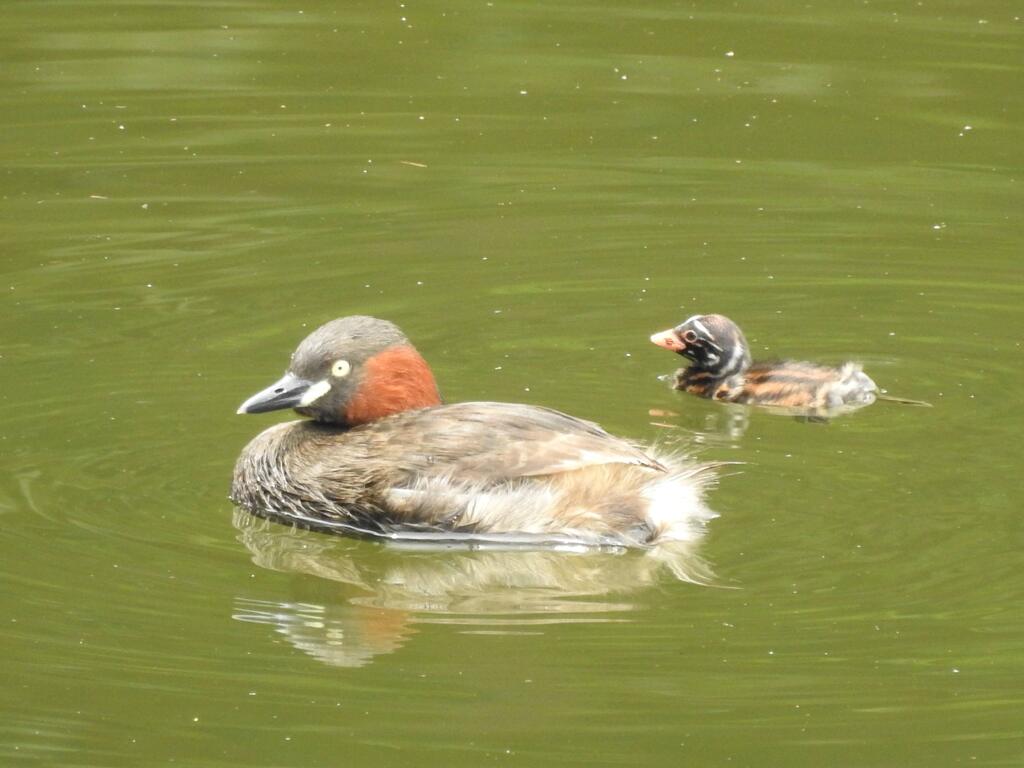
pixel 384 590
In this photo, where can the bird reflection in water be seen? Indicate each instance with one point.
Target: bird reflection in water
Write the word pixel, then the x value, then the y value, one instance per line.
pixel 367 598
pixel 725 424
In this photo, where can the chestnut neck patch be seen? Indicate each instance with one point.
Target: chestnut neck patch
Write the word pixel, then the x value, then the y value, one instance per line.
pixel 395 380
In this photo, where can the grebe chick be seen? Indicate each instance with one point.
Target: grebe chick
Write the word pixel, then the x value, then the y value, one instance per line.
pixel 721 368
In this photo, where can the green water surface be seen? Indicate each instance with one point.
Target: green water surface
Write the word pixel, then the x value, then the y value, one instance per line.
pixel 530 190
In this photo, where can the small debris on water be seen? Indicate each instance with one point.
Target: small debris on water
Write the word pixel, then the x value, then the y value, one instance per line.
pixel 660 412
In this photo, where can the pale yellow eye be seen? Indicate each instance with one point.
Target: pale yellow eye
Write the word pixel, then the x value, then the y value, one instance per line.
pixel 340 369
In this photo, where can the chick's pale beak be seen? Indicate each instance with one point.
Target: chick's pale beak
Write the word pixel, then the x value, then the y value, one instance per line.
pixel 285 393
pixel 669 340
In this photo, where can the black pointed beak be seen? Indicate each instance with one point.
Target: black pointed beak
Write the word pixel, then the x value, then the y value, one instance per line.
pixel 287 392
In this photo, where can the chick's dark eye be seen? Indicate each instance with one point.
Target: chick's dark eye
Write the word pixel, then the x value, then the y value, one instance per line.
pixel 690 336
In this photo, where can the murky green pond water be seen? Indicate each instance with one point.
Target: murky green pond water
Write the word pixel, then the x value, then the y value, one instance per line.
pixel 529 190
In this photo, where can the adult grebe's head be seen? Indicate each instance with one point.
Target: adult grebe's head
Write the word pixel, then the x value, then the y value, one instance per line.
pixel 350 371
